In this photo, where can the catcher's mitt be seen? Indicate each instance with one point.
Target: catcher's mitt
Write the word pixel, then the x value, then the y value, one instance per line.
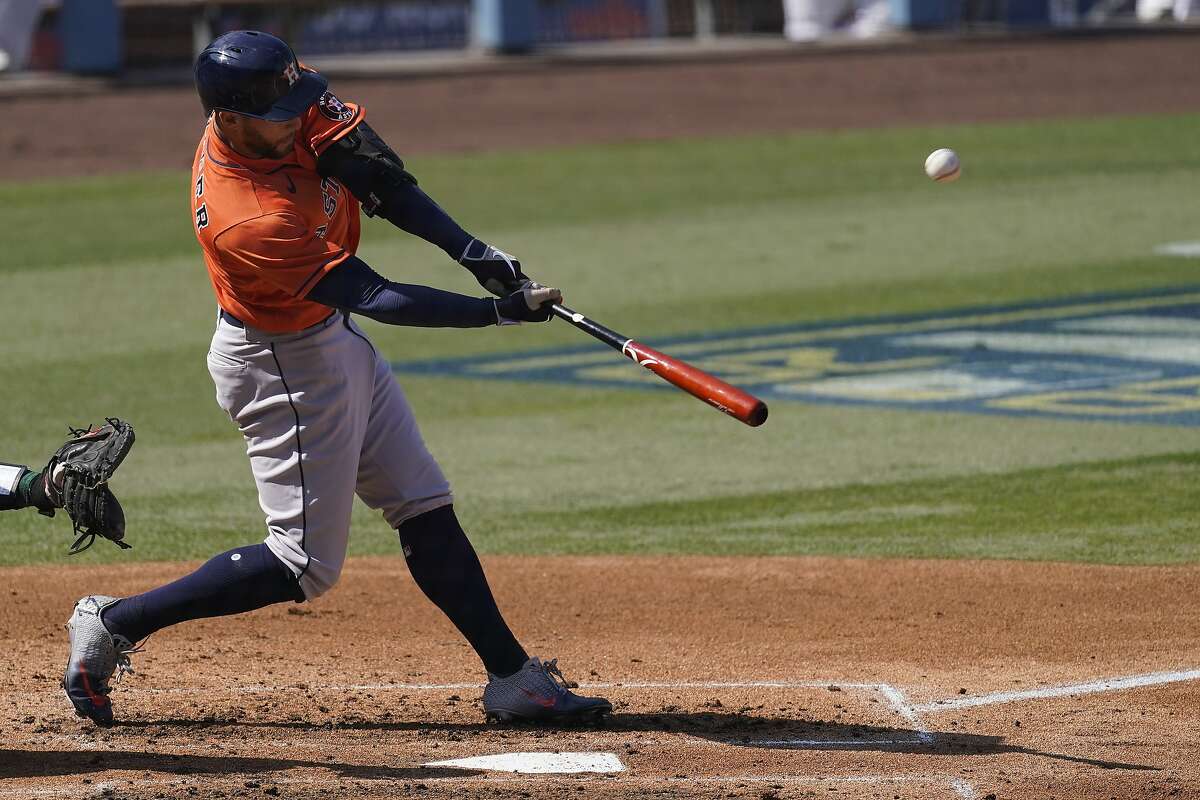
pixel 76 479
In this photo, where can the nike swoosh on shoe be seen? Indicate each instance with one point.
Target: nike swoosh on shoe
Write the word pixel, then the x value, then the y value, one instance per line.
pixel 544 702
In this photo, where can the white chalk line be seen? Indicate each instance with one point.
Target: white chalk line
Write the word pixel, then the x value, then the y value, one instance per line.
pixel 1050 692
pixel 895 696
pixel 435 687
pixel 907 711
pixel 921 735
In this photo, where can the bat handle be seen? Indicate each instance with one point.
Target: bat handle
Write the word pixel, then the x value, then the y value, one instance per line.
pixel 590 326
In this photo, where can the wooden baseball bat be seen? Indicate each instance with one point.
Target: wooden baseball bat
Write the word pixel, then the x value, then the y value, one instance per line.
pixel 717 393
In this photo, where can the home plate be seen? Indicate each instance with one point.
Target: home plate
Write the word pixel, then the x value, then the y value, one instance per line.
pixel 544 763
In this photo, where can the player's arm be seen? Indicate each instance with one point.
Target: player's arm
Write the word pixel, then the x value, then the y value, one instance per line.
pixel 363 163
pixel 354 287
pixel 21 487
pixel 280 249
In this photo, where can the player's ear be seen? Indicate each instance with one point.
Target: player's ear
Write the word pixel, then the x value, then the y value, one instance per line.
pixel 227 119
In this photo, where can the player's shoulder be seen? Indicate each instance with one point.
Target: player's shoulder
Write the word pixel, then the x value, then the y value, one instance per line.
pixel 336 111
pixel 329 109
pixel 329 119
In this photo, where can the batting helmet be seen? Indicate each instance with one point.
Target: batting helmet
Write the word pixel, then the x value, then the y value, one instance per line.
pixel 255 74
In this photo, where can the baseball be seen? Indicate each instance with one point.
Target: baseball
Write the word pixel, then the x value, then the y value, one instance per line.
pixel 942 165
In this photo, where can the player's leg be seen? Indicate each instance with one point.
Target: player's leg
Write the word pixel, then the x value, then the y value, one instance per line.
pixel 446 568
pixel 302 406
pixel 399 476
pixel 305 461
pixel 444 564
pixel 104 630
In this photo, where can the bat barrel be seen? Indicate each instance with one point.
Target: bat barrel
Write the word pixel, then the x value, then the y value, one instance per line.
pixel 731 400
pixel 724 397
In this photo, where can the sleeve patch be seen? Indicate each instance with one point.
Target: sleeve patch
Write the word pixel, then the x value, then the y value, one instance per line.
pixel 334 109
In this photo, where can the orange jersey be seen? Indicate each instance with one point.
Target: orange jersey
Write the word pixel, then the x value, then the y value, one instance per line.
pixel 271 228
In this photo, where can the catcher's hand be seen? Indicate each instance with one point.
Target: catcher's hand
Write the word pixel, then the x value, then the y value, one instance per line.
pixel 76 479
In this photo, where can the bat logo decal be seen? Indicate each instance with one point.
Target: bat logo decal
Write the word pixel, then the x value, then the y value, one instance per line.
pixel 633 354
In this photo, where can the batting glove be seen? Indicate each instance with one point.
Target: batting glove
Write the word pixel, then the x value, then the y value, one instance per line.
pixel 530 304
pixel 496 271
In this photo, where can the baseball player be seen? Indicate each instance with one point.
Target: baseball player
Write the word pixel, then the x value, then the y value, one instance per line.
pixel 278 179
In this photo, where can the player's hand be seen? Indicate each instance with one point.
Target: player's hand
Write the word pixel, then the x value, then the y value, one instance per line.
pixel 530 304
pixel 496 271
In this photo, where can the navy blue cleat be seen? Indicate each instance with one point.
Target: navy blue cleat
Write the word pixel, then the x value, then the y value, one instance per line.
pixel 538 693
pixel 95 655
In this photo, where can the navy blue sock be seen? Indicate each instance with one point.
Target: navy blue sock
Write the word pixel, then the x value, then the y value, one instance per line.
pixel 232 583
pixel 443 563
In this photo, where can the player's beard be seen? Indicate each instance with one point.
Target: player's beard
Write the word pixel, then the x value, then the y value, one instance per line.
pixel 264 148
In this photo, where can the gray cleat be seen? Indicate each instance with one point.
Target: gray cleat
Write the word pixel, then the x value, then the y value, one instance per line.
pixel 95 655
pixel 539 693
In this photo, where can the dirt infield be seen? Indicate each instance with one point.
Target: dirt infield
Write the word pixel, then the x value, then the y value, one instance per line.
pixel 741 677
pixel 953 82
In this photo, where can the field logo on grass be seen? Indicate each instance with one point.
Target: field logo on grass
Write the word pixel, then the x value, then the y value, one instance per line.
pixel 1125 358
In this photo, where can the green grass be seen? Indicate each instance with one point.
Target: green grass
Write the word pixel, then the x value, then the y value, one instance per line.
pixel 1134 511
pixel 110 312
pixel 1131 511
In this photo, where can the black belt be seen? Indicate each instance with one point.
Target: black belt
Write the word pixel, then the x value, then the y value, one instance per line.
pixel 237 323
pixel 230 318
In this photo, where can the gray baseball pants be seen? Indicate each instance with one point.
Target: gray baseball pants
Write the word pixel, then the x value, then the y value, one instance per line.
pixel 324 419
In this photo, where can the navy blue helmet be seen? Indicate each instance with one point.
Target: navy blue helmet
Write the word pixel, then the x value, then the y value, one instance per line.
pixel 255 74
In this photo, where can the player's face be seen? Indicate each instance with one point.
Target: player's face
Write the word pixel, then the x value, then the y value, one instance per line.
pixel 258 138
